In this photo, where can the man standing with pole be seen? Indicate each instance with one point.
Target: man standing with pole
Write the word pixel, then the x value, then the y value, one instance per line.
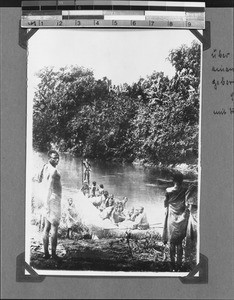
pixel 82 170
pixel 87 169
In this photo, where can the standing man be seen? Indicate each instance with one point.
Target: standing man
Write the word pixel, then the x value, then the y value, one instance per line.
pixel 176 220
pixel 87 169
pixel 53 193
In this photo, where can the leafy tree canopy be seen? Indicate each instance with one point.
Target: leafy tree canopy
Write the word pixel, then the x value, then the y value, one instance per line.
pixel 155 119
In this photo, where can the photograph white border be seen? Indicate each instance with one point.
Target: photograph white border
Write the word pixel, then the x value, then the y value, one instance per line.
pixel 28 192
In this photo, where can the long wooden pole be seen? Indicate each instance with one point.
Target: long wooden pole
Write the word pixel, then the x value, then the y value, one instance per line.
pixel 82 171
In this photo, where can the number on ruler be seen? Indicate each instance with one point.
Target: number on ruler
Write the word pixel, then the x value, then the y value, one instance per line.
pixel 30 23
pixel 114 22
pixel 151 23
pixel 40 23
pixel 59 23
pixel 77 23
pixel 189 24
pixel 96 22
pixel 133 23
pixel 170 23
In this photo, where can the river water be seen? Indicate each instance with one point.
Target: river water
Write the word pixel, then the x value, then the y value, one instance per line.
pixel 139 184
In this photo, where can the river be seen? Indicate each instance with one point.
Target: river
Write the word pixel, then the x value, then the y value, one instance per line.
pixel 137 183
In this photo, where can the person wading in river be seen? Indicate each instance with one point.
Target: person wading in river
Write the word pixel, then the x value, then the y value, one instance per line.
pixel 87 170
pixel 176 220
pixel 50 177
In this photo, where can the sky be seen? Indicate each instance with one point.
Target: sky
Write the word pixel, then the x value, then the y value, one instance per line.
pixel 122 55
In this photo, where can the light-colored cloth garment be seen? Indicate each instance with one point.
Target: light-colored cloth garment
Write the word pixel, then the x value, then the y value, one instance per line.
pixel 90 215
pixel 53 213
pixel 192 224
pixel 191 200
pixel 176 218
pixel 52 193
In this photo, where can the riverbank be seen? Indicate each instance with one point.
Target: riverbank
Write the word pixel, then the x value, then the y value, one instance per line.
pixel 128 254
pixel 98 245
pixel 188 167
pixel 189 170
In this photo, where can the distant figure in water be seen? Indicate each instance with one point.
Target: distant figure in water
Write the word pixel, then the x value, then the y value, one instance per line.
pixel 176 219
pixel 87 170
pixel 50 177
pixel 140 219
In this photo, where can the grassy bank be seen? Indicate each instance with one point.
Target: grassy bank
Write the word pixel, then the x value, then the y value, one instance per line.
pixel 129 253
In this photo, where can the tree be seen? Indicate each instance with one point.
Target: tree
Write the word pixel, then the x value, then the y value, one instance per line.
pixel 60 95
pixel 155 119
pixel 166 126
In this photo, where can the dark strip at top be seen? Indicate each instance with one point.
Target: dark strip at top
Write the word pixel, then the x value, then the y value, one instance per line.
pixel 209 3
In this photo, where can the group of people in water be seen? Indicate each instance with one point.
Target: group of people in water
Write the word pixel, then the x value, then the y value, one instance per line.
pixel 113 208
pixel 180 204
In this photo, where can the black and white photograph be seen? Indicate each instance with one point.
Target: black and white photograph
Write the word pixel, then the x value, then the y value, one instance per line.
pixel 113 152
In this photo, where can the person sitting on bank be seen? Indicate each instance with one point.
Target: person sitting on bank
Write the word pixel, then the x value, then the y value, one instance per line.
pixel 110 201
pixel 118 215
pixel 140 219
pixel 93 189
pixel 130 215
pixel 124 201
pixel 109 206
pixel 104 198
pixel 70 217
pixel 101 189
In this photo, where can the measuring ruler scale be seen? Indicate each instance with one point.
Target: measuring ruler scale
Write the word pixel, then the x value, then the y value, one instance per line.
pixel 154 15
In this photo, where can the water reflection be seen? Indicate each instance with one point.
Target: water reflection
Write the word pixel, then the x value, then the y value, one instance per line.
pixel 139 184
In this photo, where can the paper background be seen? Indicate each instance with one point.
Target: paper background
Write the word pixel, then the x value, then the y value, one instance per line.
pixel 216 183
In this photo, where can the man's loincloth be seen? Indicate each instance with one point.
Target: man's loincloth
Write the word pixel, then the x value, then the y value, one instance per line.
pixel 53 213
